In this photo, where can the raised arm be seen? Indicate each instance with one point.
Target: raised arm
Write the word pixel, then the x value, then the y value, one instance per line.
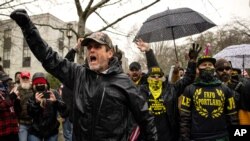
pixel 144 47
pixel 51 61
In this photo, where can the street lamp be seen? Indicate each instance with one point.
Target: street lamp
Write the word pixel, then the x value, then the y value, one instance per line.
pixel 69 32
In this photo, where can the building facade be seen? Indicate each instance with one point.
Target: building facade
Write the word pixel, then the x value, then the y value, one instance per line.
pixel 14 52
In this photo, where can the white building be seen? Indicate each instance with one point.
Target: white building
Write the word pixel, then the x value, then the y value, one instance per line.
pixel 15 54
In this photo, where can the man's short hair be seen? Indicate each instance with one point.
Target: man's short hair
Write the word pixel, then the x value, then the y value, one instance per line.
pixel 134 66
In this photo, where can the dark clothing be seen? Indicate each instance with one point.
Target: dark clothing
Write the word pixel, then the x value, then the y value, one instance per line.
pixel 66 92
pixel 207 109
pixel 101 101
pixel 45 123
pixel 243 88
pixel 8 118
pixel 165 107
pixel 67 98
pixel 24 94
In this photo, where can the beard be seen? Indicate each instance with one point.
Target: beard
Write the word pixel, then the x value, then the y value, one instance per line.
pixel 224 77
pixel 26 85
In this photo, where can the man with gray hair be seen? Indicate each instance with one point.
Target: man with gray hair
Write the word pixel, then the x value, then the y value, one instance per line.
pixel 102 94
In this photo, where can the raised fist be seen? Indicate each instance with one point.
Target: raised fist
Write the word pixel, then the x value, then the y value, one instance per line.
pixel 193 52
pixel 21 17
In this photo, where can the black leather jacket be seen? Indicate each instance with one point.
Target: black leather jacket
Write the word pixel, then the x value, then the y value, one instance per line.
pixel 101 101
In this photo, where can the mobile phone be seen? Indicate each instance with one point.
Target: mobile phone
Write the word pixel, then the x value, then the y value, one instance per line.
pixel 46 95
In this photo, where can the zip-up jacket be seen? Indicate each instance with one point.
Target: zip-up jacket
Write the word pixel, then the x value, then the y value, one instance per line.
pixel 101 101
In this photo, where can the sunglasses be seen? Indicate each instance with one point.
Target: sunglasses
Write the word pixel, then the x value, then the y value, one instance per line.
pixel 155 76
pixel 222 69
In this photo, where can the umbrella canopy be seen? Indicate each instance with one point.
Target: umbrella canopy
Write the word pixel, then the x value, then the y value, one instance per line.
pixel 239 55
pixel 173 24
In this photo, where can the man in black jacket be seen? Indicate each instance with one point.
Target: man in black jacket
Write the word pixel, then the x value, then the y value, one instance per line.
pixel 102 94
pixel 207 106
pixel 162 96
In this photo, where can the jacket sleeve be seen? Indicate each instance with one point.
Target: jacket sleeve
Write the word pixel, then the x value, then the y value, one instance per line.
pixel 139 109
pixel 61 106
pixel 71 55
pixel 61 68
pixel 33 108
pixel 185 115
pixel 231 112
pixel 151 60
pixel 187 79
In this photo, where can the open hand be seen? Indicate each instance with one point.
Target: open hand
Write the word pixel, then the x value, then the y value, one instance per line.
pixel 194 51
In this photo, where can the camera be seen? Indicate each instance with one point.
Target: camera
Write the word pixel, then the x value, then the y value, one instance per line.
pixel 46 95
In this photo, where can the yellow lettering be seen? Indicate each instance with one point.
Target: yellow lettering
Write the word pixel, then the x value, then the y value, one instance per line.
pixel 231 104
pixel 185 101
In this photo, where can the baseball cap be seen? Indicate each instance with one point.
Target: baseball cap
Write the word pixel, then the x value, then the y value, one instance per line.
pixel 207 58
pixel 100 37
pixel 25 74
pixel 4 77
pixel 135 65
pixel 155 70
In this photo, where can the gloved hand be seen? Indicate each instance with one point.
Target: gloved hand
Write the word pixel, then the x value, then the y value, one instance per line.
pixel 21 17
pixel 193 52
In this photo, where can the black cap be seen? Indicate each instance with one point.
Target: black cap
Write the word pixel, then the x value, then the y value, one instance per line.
pixel 99 37
pixel 202 59
pixel 4 77
pixel 135 65
pixel 155 70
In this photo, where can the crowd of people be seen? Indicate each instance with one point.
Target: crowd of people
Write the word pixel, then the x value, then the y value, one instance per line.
pixel 98 101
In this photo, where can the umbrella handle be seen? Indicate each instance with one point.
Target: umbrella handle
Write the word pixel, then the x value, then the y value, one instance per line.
pixel 176 55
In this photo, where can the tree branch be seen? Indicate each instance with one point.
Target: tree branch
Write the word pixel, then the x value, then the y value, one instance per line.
pixel 78 8
pixel 106 22
pixel 12 6
pixel 7 2
pixel 127 15
pixel 98 5
pixel 56 28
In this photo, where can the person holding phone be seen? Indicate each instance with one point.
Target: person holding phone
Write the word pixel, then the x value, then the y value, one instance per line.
pixel 43 108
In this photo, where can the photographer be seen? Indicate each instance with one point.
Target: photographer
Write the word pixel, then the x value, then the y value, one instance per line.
pixel 43 108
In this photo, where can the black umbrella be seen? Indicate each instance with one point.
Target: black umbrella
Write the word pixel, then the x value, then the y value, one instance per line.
pixel 173 24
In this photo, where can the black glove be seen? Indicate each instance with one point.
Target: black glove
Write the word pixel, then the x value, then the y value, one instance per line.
pixel 21 17
pixel 193 52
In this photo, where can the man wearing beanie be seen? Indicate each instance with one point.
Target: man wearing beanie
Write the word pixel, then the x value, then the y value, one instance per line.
pixel 207 106
pixel 43 107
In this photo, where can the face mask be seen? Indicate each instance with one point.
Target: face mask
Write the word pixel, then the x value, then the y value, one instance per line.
pixel 155 84
pixel 207 75
pixel 41 88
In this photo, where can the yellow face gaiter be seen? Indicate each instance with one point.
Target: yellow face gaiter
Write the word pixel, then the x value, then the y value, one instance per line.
pixel 155 87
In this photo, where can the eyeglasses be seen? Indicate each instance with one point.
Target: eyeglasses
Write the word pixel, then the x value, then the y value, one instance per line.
pixel 155 76
pixel 222 69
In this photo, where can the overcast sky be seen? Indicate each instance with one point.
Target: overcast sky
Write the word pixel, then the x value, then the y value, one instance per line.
pixel 219 11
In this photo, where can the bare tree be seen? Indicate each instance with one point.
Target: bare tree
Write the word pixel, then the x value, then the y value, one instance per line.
pixel 6 6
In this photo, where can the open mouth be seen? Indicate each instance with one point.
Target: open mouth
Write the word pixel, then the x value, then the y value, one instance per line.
pixel 92 58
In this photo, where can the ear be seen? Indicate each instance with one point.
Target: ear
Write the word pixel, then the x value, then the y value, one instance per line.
pixel 110 53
